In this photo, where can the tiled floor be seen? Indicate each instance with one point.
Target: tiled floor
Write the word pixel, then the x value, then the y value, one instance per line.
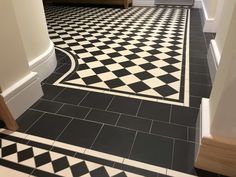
pixel 144 137
pixel 141 52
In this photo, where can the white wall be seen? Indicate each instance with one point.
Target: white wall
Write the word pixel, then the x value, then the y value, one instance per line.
pixel 31 21
pixel 222 99
pixel 13 60
pixel 210 6
pixel 27 55
pixel 225 20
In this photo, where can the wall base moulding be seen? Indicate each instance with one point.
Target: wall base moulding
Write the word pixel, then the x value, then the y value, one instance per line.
pixel 24 93
pixel 213 154
pixel 44 64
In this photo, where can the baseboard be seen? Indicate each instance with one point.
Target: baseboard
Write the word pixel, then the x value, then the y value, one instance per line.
pixel 143 3
pixel 213 59
pixel 44 64
pixel 213 154
pixel 208 24
pixel 24 93
pixel 197 4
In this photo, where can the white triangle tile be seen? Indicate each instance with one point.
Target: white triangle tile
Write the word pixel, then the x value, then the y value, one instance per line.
pixel 38 151
pixel 55 156
pixel 21 147
pixel 174 96
pixel 73 160
pixel 29 162
pixel 91 166
pixel 66 172
pixel 7 143
pixel 175 85
pixel 12 158
pixel 150 92
pixel 112 171
pixel 124 88
pixel 100 85
pixel 47 167
pixel 128 174
pixel 76 81
pixel 86 175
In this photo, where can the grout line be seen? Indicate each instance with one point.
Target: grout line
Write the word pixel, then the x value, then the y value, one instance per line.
pixel 173 151
pixel 139 108
pixel 96 136
pixel 132 145
pixel 83 99
pixel 60 108
pixel 34 122
pixel 62 132
pixel 117 120
pixel 150 130
pixel 90 110
pixel 109 103
pixel 58 93
pixel 170 114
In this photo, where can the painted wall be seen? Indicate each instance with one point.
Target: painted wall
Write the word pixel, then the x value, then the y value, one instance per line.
pixel 224 23
pixel 222 99
pixel 33 27
pixel 210 6
pixel 13 60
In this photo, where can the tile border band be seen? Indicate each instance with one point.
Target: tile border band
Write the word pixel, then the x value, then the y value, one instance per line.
pixel 101 155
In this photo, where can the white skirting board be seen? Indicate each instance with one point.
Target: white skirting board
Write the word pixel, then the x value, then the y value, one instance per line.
pixel 197 3
pixel 213 154
pixel 44 64
pixel 213 59
pixel 209 24
pixel 143 2
pixel 24 93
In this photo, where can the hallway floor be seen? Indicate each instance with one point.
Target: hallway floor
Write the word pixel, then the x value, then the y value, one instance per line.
pixel 82 127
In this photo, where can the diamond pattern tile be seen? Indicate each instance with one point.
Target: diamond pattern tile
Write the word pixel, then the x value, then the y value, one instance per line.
pixel 119 50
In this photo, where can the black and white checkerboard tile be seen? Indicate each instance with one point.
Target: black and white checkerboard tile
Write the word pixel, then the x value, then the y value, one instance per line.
pixel 26 155
pixel 140 52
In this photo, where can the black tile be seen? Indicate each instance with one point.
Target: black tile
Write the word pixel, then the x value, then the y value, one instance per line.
pixel 183 158
pixel 152 149
pixel 97 100
pixel 199 69
pixel 184 115
pixel 192 135
pixel 103 116
pixel 39 145
pixel 37 172
pixel 80 133
pixel 200 79
pixel 49 126
pixel 63 69
pixel 114 140
pixel 52 78
pixel 74 111
pixel 51 91
pixel 47 106
pixel 71 96
pixel 200 90
pixel 135 170
pixel 134 123
pixel 170 130
pixel 195 101
pixel 124 105
pixel 155 111
pixel 27 119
